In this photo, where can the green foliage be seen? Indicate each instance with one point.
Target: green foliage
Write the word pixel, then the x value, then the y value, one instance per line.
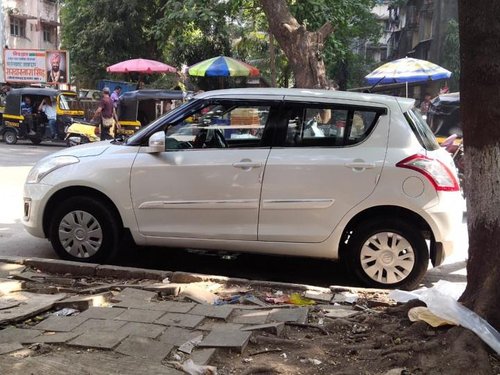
pixel 99 33
pixel 451 56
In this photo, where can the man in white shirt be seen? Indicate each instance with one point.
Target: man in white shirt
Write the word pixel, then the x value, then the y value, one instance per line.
pixel 48 107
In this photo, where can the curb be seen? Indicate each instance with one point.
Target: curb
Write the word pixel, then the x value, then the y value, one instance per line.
pixel 81 269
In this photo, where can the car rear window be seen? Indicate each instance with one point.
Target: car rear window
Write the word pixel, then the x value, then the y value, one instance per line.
pixel 421 130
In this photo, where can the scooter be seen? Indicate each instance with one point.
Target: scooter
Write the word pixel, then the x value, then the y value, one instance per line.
pixel 82 132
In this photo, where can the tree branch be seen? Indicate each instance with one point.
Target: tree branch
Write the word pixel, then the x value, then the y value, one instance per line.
pixel 326 29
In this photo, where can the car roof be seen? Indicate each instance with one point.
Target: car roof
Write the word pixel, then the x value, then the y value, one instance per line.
pixel 308 94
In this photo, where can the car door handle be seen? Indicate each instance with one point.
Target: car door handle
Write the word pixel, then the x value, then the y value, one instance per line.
pixel 358 165
pixel 247 165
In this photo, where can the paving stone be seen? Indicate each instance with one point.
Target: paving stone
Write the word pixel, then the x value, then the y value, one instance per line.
pixel 142 329
pixel 10 347
pixel 164 289
pixel 319 296
pixel 178 335
pixel 202 356
pixel 199 294
pixel 209 325
pixel 82 303
pixel 8 286
pixel 53 338
pixel 7 268
pixel 226 338
pixel 250 316
pixel 172 306
pixel 274 328
pixel 221 312
pixel 32 304
pixel 100 325
pixel 135 294
pixel 60 323
pixel 180 320
pixel 98 339
pixel 297 314
pixel 101 313
pixel 141 316
pixel 13 334
pixel 144 348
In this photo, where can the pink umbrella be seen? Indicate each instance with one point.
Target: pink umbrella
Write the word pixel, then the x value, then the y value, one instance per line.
pixel 141 66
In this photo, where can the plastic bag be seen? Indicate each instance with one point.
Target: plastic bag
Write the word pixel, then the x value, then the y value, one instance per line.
pixel 442 301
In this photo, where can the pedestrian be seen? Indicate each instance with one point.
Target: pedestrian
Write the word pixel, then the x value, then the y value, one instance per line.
pixel 115 96
pixel 107 115
pixel 48 107
pixel 426 104
pixel 27 112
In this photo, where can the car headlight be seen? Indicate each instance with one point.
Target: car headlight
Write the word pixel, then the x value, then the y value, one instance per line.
pixel 39 171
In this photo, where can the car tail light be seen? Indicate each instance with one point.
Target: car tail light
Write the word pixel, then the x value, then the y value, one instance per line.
pixel 438 174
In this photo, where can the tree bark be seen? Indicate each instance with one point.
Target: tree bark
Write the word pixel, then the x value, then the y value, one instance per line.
pixel 302 48
pixel 480 111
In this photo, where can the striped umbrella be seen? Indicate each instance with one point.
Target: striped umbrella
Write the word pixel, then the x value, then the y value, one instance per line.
pixel 222 66
pixel 407 70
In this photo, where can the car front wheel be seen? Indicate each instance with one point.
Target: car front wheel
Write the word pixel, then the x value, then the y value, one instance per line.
pixel 84 229
pixel 388 254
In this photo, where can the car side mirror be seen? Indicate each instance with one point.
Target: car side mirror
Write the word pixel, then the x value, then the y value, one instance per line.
pixel 156 143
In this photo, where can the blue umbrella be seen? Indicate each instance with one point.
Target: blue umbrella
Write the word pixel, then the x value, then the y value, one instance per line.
pixel 407 70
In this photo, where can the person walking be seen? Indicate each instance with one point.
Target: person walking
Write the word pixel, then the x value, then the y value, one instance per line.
pixel 48 107
pixel 107 115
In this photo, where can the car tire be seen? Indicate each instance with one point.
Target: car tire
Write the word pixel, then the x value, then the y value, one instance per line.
pixel 84 229
pixel 10 136
pixel 388 254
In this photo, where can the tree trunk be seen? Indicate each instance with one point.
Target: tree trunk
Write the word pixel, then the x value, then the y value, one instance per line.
pixel 480 111
pixel 302 48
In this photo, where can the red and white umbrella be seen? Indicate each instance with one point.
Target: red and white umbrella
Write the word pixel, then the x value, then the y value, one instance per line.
pixel 140 66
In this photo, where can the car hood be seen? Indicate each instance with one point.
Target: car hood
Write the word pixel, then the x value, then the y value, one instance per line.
pixel 88 149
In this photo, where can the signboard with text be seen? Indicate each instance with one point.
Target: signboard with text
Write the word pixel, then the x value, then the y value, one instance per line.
pixel 36 66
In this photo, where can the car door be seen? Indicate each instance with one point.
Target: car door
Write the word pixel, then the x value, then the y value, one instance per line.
pixel 208 181
pixel 329 160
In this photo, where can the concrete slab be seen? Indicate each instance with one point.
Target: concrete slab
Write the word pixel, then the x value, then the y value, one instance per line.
pixel 144 348
pixel 319 296
pixel 227 338
pixel 82 303
pixel 172 306
pixel 69 362
pixel 202 356
pixel 30 304
pixel 101 313
pixel 10 347
pixel 199 294
pixel 135 294
pixel 180 320
pixel 209 325
pixel 60 323
pixel 9 286
pixel 274 328
pixel 52 338
pixel 141 316
pixel 296 314
pixel 220 312
pixel 12 334
pixel 151 331
pixel 100 325
pixel 249 316
pixel 98 339
pixel 7 268
pixel 178 335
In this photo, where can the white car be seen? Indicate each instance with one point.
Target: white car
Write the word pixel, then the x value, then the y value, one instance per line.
pixel 371 187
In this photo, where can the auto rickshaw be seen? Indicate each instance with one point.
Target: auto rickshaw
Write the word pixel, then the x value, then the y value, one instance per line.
pixel 140 107
pixel 444 116
pixel 16 125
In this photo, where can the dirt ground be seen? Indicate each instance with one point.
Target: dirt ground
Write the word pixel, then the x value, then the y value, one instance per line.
pixel 376 338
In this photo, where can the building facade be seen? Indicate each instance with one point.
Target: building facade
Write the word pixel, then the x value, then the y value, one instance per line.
pixel 29 24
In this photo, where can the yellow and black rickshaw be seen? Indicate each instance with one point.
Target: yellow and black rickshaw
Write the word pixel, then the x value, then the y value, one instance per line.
pixel 140 107
pixel 17 123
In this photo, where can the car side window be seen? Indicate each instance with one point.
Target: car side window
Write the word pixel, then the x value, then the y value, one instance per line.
pixel 329 125
pixel 220 125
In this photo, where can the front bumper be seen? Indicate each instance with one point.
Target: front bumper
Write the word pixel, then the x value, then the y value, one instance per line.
pixel 34 204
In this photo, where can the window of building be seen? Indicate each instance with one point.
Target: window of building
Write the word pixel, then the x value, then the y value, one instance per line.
pixel 17 27
pixel 47 33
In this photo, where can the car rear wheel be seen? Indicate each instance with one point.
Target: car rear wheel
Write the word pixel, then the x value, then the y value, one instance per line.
pixel 388 254
pixel 10 136
pixel 84 229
